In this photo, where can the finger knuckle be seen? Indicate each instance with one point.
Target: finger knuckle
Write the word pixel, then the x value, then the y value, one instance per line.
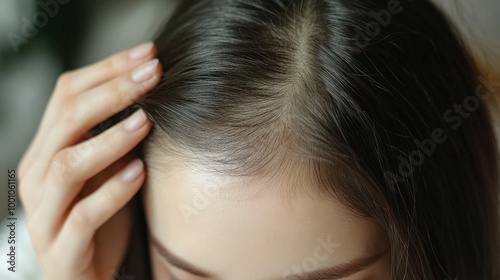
pixel 69 113
pixel 112 196
pixel 64 164
pixel 114 63
pixel 79 218
pixel 124 92
pixel 63 84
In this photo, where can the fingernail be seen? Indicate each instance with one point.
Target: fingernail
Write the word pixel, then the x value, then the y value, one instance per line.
pixel 135 121
pixel 132 170
pixel 145 71
pixel 140 51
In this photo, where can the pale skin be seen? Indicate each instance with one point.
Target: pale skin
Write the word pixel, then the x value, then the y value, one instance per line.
pixel 233 229
pixel 75 191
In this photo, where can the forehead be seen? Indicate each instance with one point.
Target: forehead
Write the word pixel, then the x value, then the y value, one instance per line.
pixel 251 225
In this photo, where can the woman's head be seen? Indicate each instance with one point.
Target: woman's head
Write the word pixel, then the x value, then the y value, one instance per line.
pixel 282 125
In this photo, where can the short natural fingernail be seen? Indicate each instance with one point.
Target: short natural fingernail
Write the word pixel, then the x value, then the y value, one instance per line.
pixel 137 120
pixel 145 72
pixel 141 51
pixel 132 171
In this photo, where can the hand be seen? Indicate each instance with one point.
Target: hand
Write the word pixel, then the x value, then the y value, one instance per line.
pixel 75 188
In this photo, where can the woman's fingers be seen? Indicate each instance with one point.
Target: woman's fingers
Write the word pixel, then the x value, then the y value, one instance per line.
pixel 81 162
pixel 77 81
pixel 71 184
pixel 94 210
pixel 94 106
pixel 112 97
pixel 73 166
pixel 85 78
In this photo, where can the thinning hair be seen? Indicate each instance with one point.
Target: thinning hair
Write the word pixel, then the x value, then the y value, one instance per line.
pixel 359 95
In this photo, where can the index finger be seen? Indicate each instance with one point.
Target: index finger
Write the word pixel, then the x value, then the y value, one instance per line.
pixel 90 76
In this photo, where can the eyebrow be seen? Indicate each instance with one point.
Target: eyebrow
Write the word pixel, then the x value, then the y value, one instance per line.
pixel 177 261
pixel 335 272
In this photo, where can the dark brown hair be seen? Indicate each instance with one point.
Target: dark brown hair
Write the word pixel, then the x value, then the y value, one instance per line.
pixel 377 101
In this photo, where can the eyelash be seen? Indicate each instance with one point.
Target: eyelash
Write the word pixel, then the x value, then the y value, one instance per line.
pixel 170 275
pixel 165 267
